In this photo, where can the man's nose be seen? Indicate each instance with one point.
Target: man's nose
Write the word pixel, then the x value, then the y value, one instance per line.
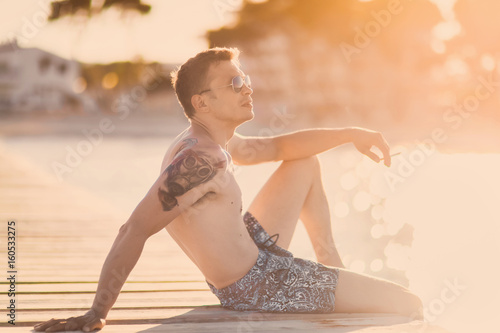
pixel 247 90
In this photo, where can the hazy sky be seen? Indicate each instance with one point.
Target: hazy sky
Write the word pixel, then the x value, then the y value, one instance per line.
pixel 171 32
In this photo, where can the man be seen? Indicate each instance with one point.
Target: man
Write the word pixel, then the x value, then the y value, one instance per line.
pixel 198 201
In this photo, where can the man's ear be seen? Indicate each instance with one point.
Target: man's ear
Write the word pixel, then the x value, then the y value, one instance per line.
pixel 198 102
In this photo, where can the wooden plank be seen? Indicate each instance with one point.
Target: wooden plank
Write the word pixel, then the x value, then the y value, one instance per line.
pixel 207 314
pixel 90 287
pixel 214 319
pixel 92 292
pixel 247 327
pixel 125 300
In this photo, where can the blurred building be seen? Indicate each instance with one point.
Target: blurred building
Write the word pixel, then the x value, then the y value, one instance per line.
pixel 32 79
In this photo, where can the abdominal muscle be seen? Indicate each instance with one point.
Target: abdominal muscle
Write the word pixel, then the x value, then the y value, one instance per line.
pixel 217 242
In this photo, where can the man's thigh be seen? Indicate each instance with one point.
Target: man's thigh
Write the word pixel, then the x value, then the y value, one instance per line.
pixel 278 205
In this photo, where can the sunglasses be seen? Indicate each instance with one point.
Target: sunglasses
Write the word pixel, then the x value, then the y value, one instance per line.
pixel 237 83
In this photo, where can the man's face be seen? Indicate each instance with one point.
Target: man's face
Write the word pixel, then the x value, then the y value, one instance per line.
pixel 223 102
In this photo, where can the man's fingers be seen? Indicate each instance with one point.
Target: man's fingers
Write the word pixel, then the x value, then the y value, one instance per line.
pixel 372 139
pixel 95 324
pixel 372 155
pixel 70 324
pixel 55 325
pixel 61 326
pixel 387 155
pixel 41 327
pixel 387 158
pixel 386 151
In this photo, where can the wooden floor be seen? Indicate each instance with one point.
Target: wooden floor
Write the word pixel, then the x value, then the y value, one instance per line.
pixel 62 237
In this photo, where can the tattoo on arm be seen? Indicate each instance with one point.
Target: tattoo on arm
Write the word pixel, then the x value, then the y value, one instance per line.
pixel 189 169
pixel 187 143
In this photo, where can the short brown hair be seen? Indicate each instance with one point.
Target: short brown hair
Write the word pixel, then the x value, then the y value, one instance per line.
pixel 189 78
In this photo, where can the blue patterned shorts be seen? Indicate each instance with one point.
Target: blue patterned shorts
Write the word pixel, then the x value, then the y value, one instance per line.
pixel 278 282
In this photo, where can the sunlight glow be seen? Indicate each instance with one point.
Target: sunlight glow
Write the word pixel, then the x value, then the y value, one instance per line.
pixel 488 62
pixel 447 30
pixel 456 66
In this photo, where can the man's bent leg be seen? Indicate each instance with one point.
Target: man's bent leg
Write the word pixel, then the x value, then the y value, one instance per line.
pixel 295 190
pixel 361 293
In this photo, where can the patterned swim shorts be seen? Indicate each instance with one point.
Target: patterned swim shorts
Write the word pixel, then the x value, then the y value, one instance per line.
pixel 278 282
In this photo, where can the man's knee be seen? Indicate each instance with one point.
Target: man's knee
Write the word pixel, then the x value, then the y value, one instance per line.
pixel 417 308
pixel 411 306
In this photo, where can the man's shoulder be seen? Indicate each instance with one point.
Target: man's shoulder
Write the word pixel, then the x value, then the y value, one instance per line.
pixel 196 145
pixel 195 151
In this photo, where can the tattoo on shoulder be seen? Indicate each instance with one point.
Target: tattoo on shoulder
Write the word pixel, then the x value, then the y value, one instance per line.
pixel 189 169
pixel 187 143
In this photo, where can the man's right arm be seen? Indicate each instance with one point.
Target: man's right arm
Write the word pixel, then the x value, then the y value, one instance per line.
pixel 183 182
pixel 178 187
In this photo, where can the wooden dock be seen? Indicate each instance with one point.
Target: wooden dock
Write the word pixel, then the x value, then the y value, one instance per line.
pixel 62 238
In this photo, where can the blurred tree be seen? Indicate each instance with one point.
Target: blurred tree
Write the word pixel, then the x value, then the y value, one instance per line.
pixel 336 21
pixel 127 73
pixel 332 19
pixel 63 8
pixel 330 54
pixel 130 74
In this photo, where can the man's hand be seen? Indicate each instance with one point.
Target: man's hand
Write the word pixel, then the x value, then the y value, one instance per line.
pixel 364 140
pixel 87 323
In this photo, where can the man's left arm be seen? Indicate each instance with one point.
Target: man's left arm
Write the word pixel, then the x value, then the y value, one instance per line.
pixel 253 150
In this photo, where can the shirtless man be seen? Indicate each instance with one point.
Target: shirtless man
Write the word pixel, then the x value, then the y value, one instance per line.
pixel 198 201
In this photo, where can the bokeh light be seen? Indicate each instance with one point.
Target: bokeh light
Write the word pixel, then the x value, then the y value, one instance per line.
pixel 377 212
pixel 79 85
pixel 361 201
pixel 110 80
pixel 341 209
pixel 377 230
pixel 348 181
pixel 376 265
